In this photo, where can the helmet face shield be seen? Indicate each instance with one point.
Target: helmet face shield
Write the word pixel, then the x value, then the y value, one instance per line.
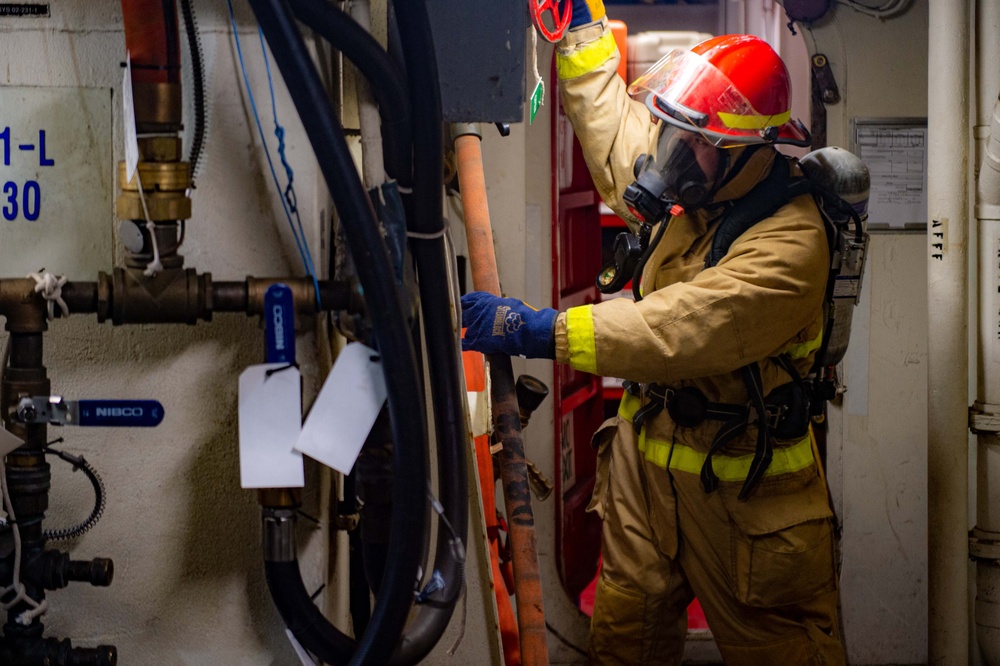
pixel 733 90
pixel 689 91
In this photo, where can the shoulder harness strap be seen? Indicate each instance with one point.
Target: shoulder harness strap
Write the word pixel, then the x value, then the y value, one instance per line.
pixel 769 195
pixel 772 193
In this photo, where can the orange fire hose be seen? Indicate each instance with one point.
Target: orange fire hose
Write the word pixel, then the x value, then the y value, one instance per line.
pixel 475 381
pixel 506 418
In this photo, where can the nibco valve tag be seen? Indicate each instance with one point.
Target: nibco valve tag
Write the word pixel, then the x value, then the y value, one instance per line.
pixel 279 324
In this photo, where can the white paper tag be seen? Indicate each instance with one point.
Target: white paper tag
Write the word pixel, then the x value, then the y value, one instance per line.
pixel 128 107
pixel 300 651
pixel 8 442
pixel 270 422
pixel 345 410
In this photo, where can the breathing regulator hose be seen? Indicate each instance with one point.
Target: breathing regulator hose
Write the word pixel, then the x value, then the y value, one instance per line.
pixel 381 641
pixel 409 521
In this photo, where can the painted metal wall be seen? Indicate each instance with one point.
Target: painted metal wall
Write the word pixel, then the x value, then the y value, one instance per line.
pixel 189 586
pixel 878 435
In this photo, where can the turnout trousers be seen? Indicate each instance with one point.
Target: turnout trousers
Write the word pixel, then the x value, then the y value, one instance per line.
pixel 762 568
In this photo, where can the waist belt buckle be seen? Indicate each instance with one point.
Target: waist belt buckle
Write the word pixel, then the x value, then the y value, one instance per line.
pixel 661 394
pixel 773 415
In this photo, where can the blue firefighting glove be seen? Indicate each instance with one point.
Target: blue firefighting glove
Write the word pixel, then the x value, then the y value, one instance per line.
pixel 507 326
pixel 586 11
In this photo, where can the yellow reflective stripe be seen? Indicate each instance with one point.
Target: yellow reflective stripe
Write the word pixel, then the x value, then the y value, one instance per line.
pixel 728 468
pixel 586 59
pixel 629 406
pixel 803 349
pixel 753 121
pixel 735 468
pixel 580 338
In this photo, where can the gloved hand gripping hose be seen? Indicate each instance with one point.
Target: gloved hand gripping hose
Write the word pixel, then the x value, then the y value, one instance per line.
pixel 409 522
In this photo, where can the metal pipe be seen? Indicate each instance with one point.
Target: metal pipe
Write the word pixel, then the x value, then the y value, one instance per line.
pixel 985 543
pixel 507 421
pixel 947 268
pixel 372 162
pixel 152 38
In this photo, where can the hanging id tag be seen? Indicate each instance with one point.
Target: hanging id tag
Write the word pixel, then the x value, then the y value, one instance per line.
pixel 536 101
pixel 270 422
pixel 9 442
pixel 128 113
pixel 345 410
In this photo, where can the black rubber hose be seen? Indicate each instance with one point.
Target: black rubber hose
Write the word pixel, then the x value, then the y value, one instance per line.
pixel 429 251
pixel 301 615
pixel 409 522
pixel 431 257
pixel 198 80
pixel 388 85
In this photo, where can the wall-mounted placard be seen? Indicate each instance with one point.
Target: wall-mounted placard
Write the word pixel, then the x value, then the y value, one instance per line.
pixel 895 151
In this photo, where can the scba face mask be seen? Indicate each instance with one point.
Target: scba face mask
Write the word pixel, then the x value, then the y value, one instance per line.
pixel 681 167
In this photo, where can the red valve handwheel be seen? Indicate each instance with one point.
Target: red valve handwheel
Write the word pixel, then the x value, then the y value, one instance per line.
pixel 538 9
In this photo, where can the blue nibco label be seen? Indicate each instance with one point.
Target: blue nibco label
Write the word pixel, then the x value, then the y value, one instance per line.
pixel 121 413
pixel 279 324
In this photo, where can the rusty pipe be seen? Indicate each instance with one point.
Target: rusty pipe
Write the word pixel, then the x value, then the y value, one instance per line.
pixel 180 296
pixel 152 38
pixel 506 416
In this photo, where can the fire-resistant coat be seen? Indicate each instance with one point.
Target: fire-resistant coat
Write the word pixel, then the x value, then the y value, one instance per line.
pixel 698 327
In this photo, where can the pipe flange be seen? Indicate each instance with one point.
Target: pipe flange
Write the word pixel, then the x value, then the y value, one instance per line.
pixel 347 522
pixel 162 206
pixel 156 176
pixel 984 418
pixel 103 297
pixel 984 546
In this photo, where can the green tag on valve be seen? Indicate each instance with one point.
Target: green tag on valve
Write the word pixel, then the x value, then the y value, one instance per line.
pixel 536 101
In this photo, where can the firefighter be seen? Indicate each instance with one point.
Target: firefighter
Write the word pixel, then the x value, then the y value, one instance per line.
pixel 708 479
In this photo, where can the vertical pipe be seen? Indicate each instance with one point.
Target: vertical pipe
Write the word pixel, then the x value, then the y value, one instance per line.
pixel 985 545
pixel 513 469
pixel 372 164
pixel 152 38
pixel 947 445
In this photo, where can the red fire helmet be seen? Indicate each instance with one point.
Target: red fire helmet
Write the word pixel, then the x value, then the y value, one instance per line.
pixel 732 89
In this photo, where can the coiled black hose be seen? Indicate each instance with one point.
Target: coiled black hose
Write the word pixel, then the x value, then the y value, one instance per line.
pixel 429 251
pixel 409 522
pixel 198 75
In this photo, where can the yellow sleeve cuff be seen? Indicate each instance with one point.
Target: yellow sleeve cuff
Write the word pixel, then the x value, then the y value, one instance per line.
pixel 586 57
pixel 580 341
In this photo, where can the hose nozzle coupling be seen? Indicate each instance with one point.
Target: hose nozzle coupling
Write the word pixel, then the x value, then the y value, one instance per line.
pixel 279 535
